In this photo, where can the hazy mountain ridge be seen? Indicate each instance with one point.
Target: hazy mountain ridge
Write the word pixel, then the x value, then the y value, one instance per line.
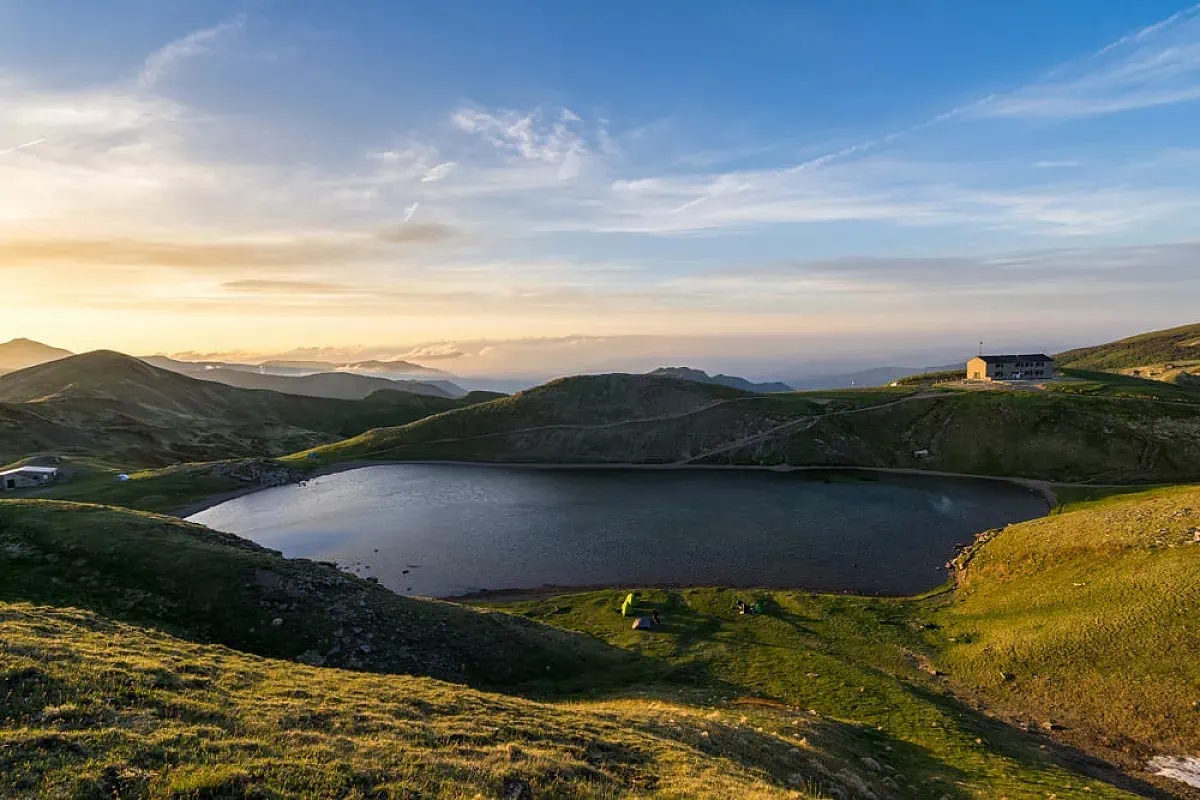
pixel 342 385
pixel 110 405
pixel 21 353
pixel 732 381
pixel 865 378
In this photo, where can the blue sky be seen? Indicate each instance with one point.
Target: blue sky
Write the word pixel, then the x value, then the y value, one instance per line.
pixel 596 184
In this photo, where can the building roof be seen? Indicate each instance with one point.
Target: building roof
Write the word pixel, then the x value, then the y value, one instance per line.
pixel 31 470
pixel 1023 357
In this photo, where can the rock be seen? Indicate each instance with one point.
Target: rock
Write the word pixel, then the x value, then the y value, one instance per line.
pixel 516 789
pixel 312 658
pixel 871 764
pixel 277 621
pixel 1052 726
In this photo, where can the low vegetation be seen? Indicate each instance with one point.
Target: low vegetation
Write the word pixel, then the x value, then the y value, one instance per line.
pixel 118 682
pixel 931 378
pixel 1107 384
pixel 215 587
pixel 1118 434
pixel 1008 433
pixel 1087 621
pixel 1156 347
pixel 97 709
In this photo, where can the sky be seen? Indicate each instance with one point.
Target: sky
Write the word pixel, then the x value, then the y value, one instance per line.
pixel 547 187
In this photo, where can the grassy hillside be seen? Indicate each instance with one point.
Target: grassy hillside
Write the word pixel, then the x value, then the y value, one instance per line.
pixel 112 406
pixel 1029 434
pixel 100 709
pixel 1109 434
pixel 166 490
pixel 114 686
pixel 1080 628
pixel 1157 347
pixel 216 587
pixel 1089 620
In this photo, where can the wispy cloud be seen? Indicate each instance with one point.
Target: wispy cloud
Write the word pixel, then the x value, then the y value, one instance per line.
pixel 273 286
pixel 24 146
pixel 163 60
pixel 531 136
pixel 1155 66
pixel 290 249
pixel 437 172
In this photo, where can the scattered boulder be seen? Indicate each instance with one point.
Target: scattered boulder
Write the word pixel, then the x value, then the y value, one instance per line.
pixel 516 789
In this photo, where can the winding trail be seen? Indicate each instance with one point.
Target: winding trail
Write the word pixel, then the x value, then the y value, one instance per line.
pixel 802 424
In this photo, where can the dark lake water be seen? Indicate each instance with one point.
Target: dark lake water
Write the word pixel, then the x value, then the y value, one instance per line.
pixel 443 530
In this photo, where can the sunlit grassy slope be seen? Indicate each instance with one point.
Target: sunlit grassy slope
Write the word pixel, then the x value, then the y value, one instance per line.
pixel 822 694
pixel 1088 619
pixel 1080 627
pixel 1155 347
pixel 97 709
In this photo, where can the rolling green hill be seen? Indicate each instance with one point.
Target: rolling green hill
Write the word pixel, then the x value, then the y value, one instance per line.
pixel 1157 347
pixel 218 588
pixel 1118 436
pixel 112 406
pixel 1088 620
pixel 1051 436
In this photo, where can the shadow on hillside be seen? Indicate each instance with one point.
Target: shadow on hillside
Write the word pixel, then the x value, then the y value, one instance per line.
pixel 1031 748
pixel 692 639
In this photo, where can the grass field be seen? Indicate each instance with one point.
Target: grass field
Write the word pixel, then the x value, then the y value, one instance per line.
pixel 1089 620
pixel 822 694
pixel 96 709
pixel 1156 347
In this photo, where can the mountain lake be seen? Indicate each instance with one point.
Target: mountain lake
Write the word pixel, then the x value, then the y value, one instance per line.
pixel 444 530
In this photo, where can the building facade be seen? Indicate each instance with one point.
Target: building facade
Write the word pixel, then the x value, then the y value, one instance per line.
pixel 27 477
pixel 1028 367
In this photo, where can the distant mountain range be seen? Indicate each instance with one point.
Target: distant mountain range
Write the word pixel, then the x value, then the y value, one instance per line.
pixel 304 378
pixel 121 409
pixel 22 353
pixel 338 385
pixel 732 381
pixel 875 376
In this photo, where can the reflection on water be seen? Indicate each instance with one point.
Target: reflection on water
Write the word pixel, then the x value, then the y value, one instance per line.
pixel 442 530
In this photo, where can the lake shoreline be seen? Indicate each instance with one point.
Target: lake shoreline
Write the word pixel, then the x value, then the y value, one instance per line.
pixel 1043 488
pixel 672 524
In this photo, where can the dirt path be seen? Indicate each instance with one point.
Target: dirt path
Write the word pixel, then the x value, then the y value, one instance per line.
pixel 801 424
pixel 810 419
